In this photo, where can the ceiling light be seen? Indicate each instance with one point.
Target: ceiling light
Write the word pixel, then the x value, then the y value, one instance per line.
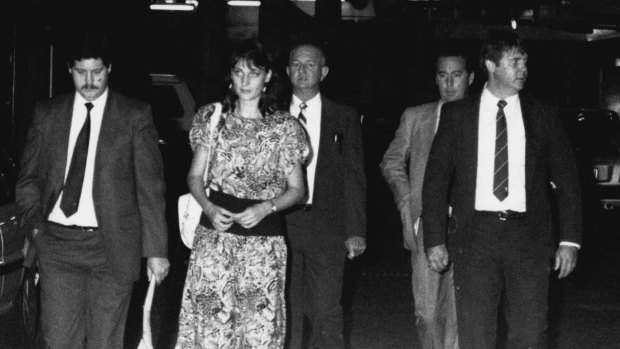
pixel 171 5
pixel 243 3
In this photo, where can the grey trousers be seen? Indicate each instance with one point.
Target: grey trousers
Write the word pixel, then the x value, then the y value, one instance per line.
pixel 435 307
pixel 82 304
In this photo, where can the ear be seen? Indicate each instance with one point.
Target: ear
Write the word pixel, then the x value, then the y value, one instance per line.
pixel 288 70
pixel 268 76
pixel 471 77
pixel 110 68
pixel 70 69
pixel 324 71
pixel 490 65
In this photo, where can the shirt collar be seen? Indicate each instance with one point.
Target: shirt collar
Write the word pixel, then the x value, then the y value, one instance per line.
pixel 311 103
pixel 97 103
pixel 489 98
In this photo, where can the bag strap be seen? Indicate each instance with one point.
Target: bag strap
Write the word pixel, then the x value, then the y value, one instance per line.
pixel 213 122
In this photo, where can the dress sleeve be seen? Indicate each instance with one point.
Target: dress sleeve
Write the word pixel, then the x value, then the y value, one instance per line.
pixel 294 145
pixel 199 133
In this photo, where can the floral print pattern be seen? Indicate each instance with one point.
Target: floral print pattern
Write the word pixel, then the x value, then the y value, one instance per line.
pixel 234 289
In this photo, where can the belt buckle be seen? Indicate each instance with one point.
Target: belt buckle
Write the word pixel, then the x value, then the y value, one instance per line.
pixel 502 215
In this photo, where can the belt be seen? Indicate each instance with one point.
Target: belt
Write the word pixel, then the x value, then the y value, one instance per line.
pixel 73 227
pixel 304 207
pixel 502 215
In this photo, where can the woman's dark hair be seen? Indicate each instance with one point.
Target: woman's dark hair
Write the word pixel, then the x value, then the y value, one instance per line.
pixel 254 55
pixel 496 43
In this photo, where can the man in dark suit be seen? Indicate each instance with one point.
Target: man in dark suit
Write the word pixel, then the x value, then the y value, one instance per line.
pixel 92 195
pixel 498 159
pixel 403 167
pixel 331 221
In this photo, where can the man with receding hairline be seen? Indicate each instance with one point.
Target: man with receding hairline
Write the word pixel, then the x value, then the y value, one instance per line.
pixel 330 223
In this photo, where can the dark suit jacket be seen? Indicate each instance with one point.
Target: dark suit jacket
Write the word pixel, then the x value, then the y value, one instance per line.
pixel 452 168
pixel 128 188
pixel 339 201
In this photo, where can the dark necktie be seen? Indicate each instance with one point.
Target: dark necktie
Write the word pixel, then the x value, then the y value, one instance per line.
pixel 301 116
pixel 72 189
pixel 500 179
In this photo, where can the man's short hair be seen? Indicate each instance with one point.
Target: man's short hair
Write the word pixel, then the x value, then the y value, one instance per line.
pixel 87 45
pixel 310 43
pixel 496 43
pixel 454 50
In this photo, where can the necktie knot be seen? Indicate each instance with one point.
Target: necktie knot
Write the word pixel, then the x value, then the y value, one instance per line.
pixel 501 104
pixel 302 109
pixel 89 106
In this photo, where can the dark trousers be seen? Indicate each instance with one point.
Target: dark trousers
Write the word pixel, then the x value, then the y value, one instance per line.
pixel 315 290
pixel 82 305
pixel 502 261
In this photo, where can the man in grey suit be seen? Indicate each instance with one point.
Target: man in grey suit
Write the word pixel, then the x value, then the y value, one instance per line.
pixel 331 222
pixel 403 167
pixel 91 192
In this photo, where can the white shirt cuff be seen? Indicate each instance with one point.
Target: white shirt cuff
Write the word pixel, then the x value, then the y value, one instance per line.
pixel 567 243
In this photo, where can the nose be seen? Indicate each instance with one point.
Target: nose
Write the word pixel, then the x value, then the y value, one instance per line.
pixel 450 81
pixel 90 78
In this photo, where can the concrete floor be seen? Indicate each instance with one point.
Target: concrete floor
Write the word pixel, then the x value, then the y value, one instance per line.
pixel 585 308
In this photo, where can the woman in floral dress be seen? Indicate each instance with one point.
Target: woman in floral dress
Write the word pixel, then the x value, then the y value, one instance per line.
pixel 234 289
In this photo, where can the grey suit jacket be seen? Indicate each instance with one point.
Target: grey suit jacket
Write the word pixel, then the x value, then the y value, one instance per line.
pixel 409 150
pixel 128 186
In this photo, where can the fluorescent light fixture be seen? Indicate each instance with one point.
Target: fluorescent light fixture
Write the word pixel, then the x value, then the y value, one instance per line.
pixel 170 5
pixel 251 3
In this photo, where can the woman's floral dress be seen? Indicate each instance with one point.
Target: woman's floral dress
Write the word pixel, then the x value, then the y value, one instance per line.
pixel 234 289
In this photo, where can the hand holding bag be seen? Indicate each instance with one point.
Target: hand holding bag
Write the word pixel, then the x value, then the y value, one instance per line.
pixel 189 209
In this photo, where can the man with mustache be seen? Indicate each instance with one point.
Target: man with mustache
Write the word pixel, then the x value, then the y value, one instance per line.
pixel 403 167
pixel 91 191
pixel 498 160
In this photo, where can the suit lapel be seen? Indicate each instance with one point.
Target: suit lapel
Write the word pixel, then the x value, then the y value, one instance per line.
pixel 469 124
pixel 107 135
pixel 59 145
pixel 531 138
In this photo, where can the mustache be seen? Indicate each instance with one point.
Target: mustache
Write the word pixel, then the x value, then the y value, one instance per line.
pixel 89 87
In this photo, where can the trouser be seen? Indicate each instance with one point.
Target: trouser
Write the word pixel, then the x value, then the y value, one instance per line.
pixel 502 261
pixel 434 298
pixel 315 290
pixel 234 292
pixel 82 304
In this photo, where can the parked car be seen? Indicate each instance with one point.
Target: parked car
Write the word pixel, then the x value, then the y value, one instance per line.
pixel 595 136
pixel 173 107
pixel 18 291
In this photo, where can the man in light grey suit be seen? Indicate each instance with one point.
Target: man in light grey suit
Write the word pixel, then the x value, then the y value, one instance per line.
pixel 433 292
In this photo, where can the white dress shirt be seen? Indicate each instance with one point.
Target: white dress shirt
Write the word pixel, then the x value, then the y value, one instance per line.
pixel 85 215
pixel 313 127
pixel 485 199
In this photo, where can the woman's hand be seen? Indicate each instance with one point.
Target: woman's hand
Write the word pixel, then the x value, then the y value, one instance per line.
pixel 221 218
pixel 252 215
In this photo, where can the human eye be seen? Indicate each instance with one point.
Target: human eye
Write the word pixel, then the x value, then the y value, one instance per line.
pixel 458 74
pixel 442 75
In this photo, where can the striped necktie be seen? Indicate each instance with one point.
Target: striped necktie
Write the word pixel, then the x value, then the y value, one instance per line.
pixel 301 116
pixel 500 178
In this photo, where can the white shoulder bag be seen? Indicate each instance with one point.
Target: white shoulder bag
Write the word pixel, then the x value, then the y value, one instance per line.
pixel 189 209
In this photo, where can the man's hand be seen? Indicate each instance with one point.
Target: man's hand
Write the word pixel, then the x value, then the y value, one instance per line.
pixel 157 267
pixel 437 257
pixel 356 245
pixel 408 228
pixel 565 260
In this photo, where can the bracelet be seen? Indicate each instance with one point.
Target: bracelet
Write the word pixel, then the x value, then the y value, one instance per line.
pixel 274 208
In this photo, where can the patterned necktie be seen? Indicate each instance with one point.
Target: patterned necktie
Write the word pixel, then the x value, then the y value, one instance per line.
pixel 72 189
pixel 500 179
pixel 301 116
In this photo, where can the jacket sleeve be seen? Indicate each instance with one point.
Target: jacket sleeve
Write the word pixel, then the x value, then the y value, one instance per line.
pixel 355 176
pixel 150 187
pixel 394 163
pixel 28 190
pixel 564 174
pixel 437 179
